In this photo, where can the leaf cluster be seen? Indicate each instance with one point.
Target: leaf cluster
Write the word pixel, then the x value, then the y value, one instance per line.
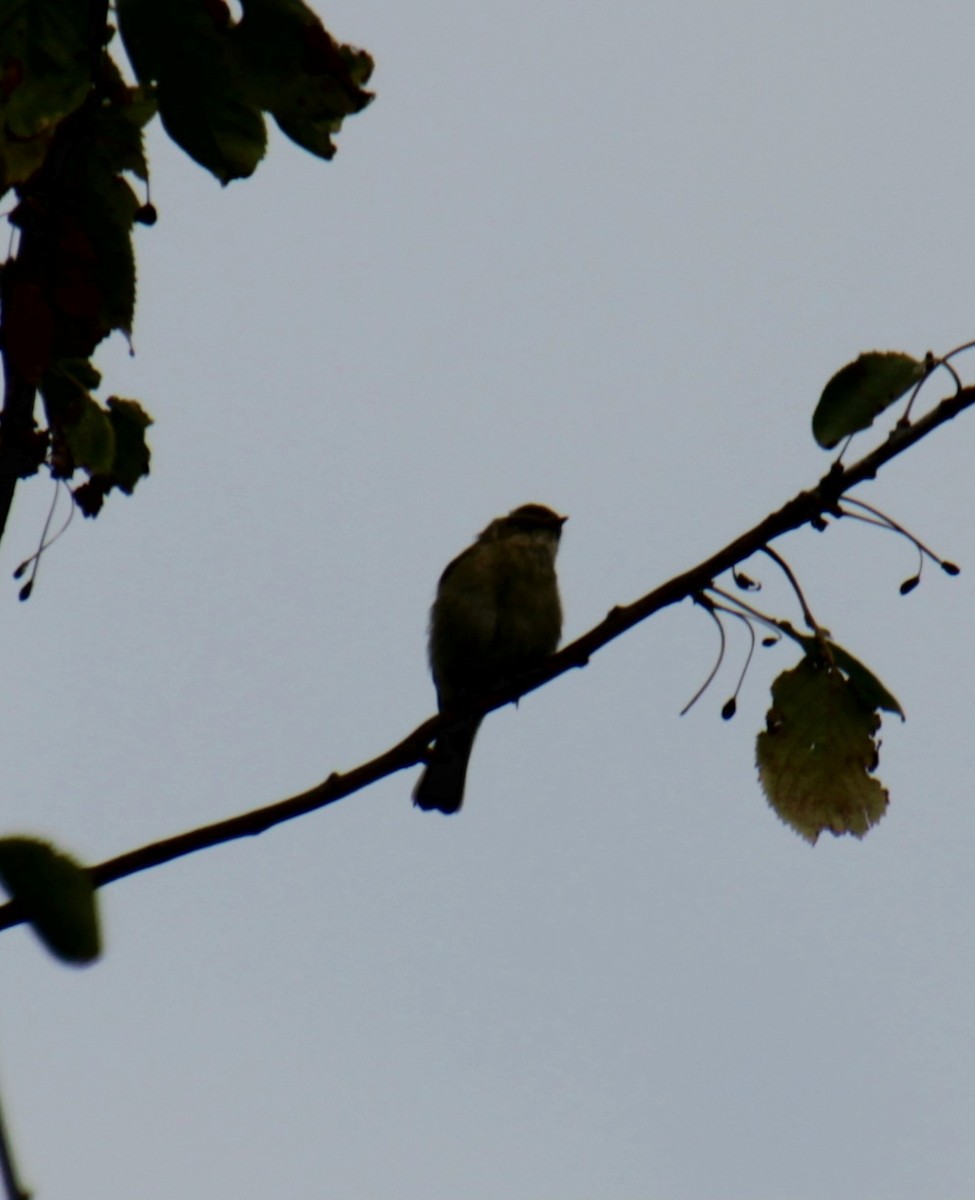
pixel 215 78
pixel 66 153
pixel 71 149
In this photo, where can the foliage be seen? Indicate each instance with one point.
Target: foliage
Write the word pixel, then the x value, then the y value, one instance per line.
pixel 71 147
pixel 214 79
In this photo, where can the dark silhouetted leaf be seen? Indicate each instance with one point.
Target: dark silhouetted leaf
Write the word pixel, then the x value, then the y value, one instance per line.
pixel 184 47
pixel 90 496
pixel 108 443
pixel 129 422
pixel 44 76
pixel 860 391
pixel 56 896
pixel 297 72
pixel 215 79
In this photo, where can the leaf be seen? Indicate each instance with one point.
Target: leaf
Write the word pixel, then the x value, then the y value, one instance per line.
pixel 860 391
pixel 870 691
pixel 91 439
pixel 293 68
pixel 215 127
pixel 62 303
pixel 56 895
pixel 109 443
pixel 215 79
pixel 108 213
pixel 129 422
pixel 44 76
pixel 117 142
pixel 817 756
pixel 183 46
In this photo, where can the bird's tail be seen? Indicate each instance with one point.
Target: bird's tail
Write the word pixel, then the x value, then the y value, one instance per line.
pixel 441 786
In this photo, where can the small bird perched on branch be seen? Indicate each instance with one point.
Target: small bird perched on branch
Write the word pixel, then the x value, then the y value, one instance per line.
pixel 497 614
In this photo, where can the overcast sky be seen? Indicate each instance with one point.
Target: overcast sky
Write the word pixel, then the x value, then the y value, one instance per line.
pixel 603 260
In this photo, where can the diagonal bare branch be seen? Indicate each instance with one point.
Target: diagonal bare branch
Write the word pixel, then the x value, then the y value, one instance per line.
pixel 807 507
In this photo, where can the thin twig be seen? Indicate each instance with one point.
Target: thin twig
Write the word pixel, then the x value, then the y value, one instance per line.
pixel 708 607
pixel 811 623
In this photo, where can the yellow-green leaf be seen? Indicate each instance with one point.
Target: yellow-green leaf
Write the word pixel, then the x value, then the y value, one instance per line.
pixel 91 439
pixel 817 756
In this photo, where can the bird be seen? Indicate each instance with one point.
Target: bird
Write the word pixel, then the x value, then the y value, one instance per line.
pixel 496 614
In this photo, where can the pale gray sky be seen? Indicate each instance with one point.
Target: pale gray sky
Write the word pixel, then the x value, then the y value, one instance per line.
pixel 604 260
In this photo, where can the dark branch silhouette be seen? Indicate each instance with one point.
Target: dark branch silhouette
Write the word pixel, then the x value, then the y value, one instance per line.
pixel 808 507
pixel 12 1186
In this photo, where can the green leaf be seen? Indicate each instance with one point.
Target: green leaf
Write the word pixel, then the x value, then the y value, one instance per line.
pixel 44 76
pixel 869 689
pixel 56 895
pixel 117 141
pixel 860 391
pixel 216 128
pixel 292 67
pixel 91 439
pixel 184 46
pixel 817 756
pixel 109 443
pixel 215 79
pixel 108 213
pixel 129 422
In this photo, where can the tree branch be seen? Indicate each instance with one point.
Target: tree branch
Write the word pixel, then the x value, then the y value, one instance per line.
pixel 808 507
